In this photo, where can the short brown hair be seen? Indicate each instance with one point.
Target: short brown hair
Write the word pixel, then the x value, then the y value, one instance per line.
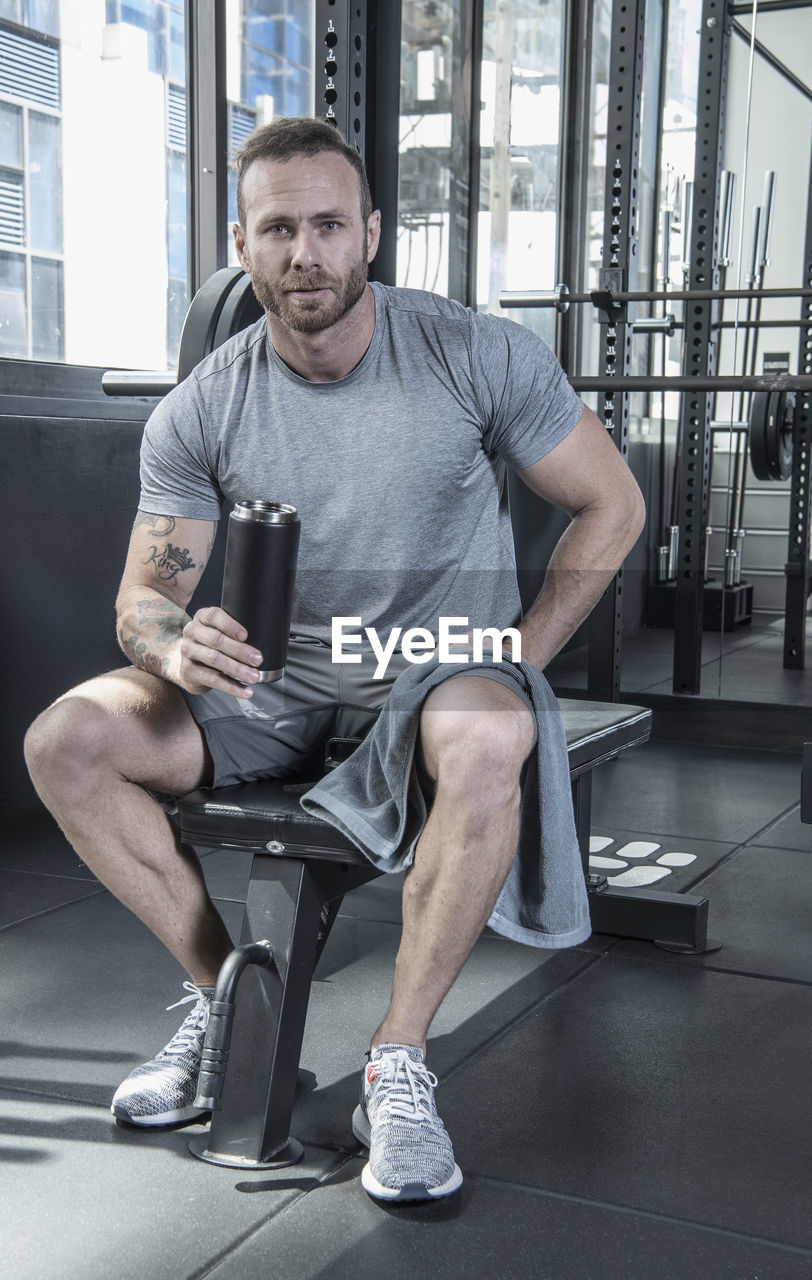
pixel 291 136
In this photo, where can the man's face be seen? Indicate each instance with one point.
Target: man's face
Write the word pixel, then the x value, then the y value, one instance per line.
pixel 306 245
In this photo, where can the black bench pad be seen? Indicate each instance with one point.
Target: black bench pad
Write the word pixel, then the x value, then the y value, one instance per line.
pixel 266 816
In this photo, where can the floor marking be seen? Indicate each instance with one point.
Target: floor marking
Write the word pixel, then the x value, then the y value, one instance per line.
pixel 596 843
pixel 677 859
pixel 637 849
pixel 607 864
pixel 637 876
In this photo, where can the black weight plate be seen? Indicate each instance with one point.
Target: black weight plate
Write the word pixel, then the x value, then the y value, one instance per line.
pixel 200 326
pixel 239 310
pixel 786 438
pixel 757 438
pixel 770 435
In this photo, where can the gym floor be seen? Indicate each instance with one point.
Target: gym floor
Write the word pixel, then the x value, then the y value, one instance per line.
pixel 619 1113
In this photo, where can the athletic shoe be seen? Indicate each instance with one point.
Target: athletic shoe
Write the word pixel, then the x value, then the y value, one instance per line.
pixel 163 1091
pixel 410 1153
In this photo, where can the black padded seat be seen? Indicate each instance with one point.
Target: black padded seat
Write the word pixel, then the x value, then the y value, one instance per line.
pixel 596 731
pixel 264 816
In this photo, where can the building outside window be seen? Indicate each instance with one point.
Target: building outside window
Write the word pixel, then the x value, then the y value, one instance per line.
pixel 31 222
pixel 93 243
pixel 269 72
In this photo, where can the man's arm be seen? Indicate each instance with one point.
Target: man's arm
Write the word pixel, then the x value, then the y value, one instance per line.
pixel 585 476
pixel 165 561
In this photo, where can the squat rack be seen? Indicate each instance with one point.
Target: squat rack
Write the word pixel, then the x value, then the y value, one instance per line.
pixel 701 297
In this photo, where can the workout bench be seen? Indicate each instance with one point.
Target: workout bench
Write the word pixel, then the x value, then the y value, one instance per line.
pixel 301 870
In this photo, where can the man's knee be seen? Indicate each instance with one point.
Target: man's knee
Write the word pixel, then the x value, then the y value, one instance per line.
pixel 125 726
pixel 469 746
pixel 70 734
pixel 82 731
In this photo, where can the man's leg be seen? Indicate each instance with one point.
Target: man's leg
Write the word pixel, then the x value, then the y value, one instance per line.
pixel 91 755
pixel 475 735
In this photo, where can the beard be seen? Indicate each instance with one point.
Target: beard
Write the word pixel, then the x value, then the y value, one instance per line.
pixel 305 316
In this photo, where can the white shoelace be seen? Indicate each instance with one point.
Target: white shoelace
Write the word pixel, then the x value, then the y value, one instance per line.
pixel 409 1093
pixel 188 1035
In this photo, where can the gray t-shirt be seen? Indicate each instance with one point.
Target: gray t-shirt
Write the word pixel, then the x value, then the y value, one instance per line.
pixel 397 471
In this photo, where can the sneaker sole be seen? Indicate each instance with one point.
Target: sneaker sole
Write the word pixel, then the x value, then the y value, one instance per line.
pixel 411 1190
pixel 159 1121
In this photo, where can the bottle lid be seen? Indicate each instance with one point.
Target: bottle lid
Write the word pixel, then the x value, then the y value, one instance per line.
pixel 265 512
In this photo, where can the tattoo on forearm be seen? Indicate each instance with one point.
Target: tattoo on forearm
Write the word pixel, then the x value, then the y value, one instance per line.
pixel 169 617
pixel 161 525
pixel 169 561
pixel 136 651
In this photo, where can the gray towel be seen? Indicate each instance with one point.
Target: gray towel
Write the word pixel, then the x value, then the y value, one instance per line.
pixel 375 799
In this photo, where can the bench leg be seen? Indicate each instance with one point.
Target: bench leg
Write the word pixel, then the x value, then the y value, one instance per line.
pixel 286 902
pixel 582 811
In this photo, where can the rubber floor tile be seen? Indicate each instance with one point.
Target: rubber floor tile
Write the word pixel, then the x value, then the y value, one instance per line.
pixel 499 984
pixel 88 1000
pixel 35 843
pixel 23 895
pixel 494 1231
pixel 790 832
pixel 92 1200
pixel 676 1091
pixel 703 793
pixel 760 909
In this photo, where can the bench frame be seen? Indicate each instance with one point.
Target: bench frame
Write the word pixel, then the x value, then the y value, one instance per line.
pixel 301 870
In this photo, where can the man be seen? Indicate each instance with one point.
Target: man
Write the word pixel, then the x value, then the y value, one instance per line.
pixel 385 416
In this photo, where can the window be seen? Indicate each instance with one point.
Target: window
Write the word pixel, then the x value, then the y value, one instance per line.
pixel 13 325
pixel 521 93
pixel 89 214
pixel 47 309
pixel 40 15
pixel 93 178
pixel 45 182
pixel 277 55
pixel 435 126
pixel 31 194
pixel 162 21
pixel 11 136
pixel 270 73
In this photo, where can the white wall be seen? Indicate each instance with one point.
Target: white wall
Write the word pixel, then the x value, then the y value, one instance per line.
pixel 780 139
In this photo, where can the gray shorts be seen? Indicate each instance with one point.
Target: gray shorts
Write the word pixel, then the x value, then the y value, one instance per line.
pixel 283 730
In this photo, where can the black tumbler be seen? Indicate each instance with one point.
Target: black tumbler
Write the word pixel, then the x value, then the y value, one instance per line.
pixel 258 578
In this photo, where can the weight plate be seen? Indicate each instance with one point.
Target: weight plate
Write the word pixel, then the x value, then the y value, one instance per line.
pixel 201 319
pixel 239 310
pixel 786 434
pixel 770 435
pixel 201 323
